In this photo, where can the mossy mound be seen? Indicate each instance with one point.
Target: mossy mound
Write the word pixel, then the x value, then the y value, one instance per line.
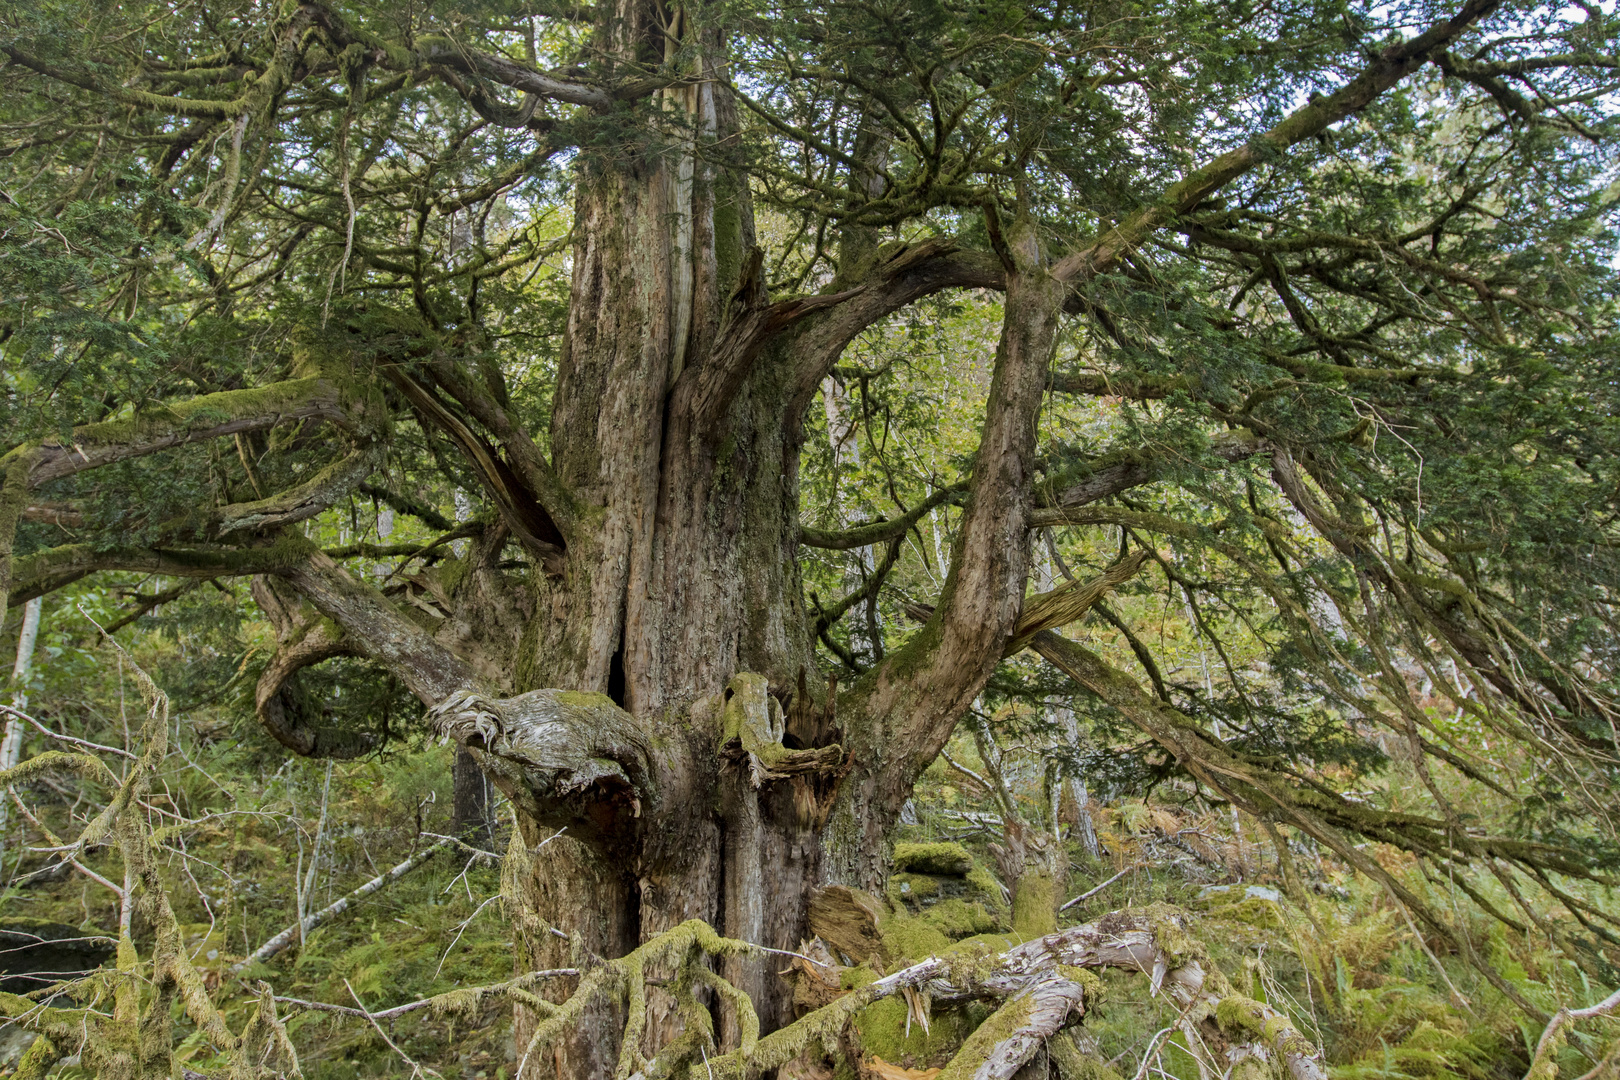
pixel 951 860
pixel 1255 906
pixel 930 874
pixel 931 932
pixel 883 1032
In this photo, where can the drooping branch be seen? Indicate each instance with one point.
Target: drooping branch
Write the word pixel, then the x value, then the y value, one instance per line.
pixel 1256 785
pixel 1448 620
pixel 1093 482
pixel 376 630
pixel 303 639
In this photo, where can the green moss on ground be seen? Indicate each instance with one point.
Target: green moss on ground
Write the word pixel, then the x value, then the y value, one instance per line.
pixel 883 1031
pixel 1034 907
pixel 934 930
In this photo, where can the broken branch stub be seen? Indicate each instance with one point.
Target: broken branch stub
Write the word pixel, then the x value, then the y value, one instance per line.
pixel 552 751
pixel 753 725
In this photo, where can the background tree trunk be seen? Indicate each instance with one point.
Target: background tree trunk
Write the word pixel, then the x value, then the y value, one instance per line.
pixel 469 795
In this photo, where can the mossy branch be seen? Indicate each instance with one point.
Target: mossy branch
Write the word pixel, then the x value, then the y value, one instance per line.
pixel 136 1041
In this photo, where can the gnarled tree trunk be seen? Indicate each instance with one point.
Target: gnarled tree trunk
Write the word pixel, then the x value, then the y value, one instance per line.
pixel 653 693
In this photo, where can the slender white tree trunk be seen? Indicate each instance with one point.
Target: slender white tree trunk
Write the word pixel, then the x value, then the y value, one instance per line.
pixel 11 742
pixel 1061 717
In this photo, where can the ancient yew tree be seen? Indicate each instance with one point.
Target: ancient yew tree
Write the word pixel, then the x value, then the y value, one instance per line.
pixel 1341 273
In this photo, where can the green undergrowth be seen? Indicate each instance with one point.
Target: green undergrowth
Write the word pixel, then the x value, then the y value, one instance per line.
pixel 431 931
pixel 1342 963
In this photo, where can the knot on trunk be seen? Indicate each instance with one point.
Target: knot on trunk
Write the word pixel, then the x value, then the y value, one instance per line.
pixel 469 718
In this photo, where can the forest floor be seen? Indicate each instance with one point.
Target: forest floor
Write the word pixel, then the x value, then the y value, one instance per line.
pixel 289 836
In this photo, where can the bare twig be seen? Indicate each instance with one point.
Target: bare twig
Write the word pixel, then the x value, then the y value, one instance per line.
pixel 1088 894
pixel 425 1003
pixel 65 738
pixel 417 1069
pixel 338 907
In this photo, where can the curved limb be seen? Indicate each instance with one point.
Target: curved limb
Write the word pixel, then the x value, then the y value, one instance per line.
pixel 912 699
pixel 302 640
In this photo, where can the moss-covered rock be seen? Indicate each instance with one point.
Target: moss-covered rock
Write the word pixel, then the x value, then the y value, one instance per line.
pixel 957 919
pixel 915 889
pixel 916 936
pixel 938 858
pixel 910 938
